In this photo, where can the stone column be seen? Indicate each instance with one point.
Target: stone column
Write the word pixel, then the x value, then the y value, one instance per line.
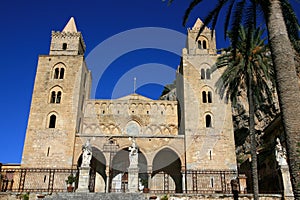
pixel 84 179
pixel 183 182
pixel 107 179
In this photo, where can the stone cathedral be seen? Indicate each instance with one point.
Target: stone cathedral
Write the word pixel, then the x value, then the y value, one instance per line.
pixel 184 146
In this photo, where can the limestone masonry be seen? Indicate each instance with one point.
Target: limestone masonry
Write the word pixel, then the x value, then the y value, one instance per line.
pixel 184 145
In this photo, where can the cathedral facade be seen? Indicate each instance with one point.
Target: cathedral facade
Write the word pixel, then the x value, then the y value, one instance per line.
pixel 186 145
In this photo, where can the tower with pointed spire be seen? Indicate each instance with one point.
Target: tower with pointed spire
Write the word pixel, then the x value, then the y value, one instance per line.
pixel 62 83
pixel 187 144
pixel 205 120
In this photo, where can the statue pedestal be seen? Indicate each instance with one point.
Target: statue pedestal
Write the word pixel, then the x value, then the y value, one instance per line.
pixel 84 179
pixel 287 185
pixel 133 179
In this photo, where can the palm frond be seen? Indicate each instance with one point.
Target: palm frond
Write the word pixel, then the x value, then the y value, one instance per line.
pixel 192 5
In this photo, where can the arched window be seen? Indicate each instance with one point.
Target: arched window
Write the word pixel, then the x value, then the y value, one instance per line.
pixel 59 73
pixel 199 44
pixel 202 74
pixel 207 73
pixel 209 97
pixel 55 97
pixel 204 99
pixel 208 122
pixel 204 44
pixel 52 121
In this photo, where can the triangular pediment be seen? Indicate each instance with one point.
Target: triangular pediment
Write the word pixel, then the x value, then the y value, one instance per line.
pixel 135 97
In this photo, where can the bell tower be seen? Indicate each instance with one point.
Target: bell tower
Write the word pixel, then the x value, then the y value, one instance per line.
pixel 205 119
pixel 62 83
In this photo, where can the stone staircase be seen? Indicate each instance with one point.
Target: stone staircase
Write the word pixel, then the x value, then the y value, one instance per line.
pixel 96 196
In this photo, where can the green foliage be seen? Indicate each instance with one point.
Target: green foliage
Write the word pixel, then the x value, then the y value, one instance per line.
pixel 71 179
pixel 165 197
pixel 251 57
pixel 25 196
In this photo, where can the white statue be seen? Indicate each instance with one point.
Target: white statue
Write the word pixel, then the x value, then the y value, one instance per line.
pixel 86 154
pixel 141 186
pixel 280 153
pixel 133 154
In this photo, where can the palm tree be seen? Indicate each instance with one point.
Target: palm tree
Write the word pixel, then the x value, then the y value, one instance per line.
pixel 278 15
pixel 247 67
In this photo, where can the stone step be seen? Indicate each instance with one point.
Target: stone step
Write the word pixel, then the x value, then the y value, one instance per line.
pixel 96 196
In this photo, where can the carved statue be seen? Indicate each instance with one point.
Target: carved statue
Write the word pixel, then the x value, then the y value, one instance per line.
pixel 133 154
pixel 280 153
pixel 86 154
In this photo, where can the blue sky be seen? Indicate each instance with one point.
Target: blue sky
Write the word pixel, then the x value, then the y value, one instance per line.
pixel 26 32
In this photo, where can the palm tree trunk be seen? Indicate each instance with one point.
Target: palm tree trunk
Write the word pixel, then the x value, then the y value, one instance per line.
pixel 252 137
pixel 288 89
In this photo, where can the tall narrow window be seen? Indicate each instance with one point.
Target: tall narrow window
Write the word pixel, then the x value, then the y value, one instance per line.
pixel 202 74
pixel 199 44
pixel 212 182
pixel 64 46
pixel 58 97
pixel 56 73
pixel 209 97
pixel 208 74
pixel 204 100
pixel 62 73
pixel 52 121
pixel 53 97
pixel 208 123
pixel 204 44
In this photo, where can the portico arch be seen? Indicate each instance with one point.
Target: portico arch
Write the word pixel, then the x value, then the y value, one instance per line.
pixel 167 166
pixel 97 171
pixel 119 170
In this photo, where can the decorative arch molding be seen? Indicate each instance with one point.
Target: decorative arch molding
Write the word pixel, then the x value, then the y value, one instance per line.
pixel 103 129
pixel 55 94
pixel 136 119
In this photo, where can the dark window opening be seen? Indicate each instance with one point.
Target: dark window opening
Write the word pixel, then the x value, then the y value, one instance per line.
pixel 212 182
pixel 53 96
pixel 209 97
pixel 52 121
pixel 210 156
pixel 204 100
pixel 64 46
pixel 56 73
pixel 58 97
pixel 199 44
pixel 202 74
pixel 62 73
pixel 48 152
pixel 45 177
pixel 204 44
pixel 208 121
pixel 208 74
